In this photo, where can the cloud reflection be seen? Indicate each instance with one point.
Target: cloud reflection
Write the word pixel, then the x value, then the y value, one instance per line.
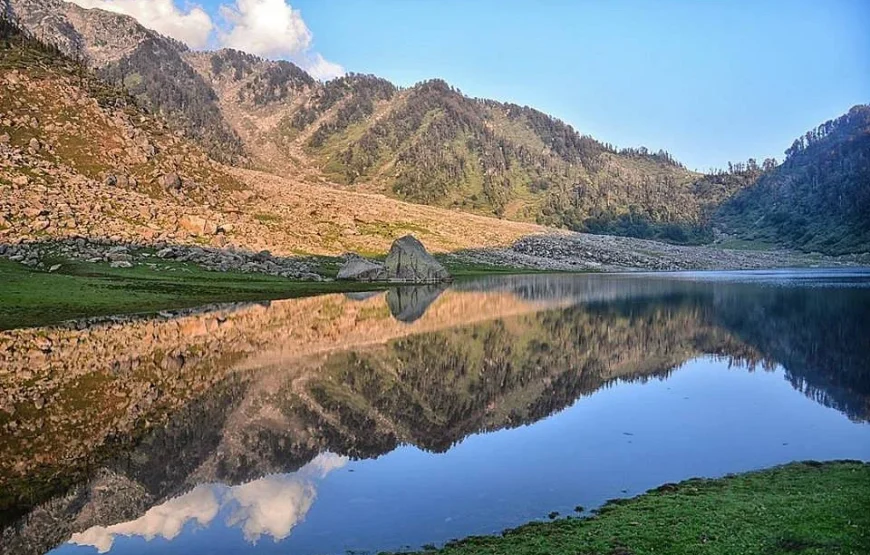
pixel 270 506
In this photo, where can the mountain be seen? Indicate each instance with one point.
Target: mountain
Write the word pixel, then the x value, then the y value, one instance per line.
pixel 427 144
pixel 80 158
pixel 818 199
pixel 430 144
pixel 148 65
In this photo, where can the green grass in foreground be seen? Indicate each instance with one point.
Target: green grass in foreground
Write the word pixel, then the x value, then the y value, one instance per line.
pixel 807 508
pixel 29 297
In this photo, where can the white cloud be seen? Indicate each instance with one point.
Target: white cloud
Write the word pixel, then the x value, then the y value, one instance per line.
pixel 322 69
pixel 165 521
pixel 270 28
pixel 272 506
pixel 192 26
pixel 273 29
pixel 267 28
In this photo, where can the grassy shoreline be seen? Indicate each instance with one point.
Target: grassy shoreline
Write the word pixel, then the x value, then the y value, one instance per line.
pixel 807 508
pixel 79 290
pixel 31 297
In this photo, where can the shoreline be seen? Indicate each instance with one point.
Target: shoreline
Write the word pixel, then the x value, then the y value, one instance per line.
pixel 801 507
pixel 55 282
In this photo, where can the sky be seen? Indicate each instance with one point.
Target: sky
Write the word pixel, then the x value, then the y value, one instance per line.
pixel 709 81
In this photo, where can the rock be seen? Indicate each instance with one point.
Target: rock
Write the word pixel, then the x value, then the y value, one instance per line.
pixel 172 182
pixel 4 139
pixel 119 257
pixel 54 268
pixel 409 261
pixel 193 224
pixel 357 268
pixel 110 180
pixel 121 264
pixel 34 144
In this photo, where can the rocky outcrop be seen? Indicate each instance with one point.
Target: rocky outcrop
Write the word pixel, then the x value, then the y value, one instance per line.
pixel 408 261
pixel 158 257
pixel 357 268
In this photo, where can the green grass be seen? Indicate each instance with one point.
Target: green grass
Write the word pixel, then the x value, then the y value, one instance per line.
pixel 29 297
pixel 807 508
pixel 32 297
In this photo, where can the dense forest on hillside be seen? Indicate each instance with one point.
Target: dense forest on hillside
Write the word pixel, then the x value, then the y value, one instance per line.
pixel 818 199
pixel 431 144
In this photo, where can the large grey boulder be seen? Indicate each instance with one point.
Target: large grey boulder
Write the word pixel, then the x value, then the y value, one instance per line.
pixel 409 262
pixel 357 268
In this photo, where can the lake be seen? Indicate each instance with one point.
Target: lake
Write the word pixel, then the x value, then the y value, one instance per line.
pixel 372 421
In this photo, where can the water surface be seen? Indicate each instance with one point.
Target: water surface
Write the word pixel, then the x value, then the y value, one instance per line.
pixel 390 420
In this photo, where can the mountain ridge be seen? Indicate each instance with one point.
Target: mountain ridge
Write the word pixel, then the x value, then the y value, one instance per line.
pixel 425 144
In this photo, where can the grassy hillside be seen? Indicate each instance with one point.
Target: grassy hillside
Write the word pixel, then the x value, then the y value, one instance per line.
pixel 81 158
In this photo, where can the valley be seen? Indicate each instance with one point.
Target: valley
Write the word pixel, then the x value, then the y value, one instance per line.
pixel 257 301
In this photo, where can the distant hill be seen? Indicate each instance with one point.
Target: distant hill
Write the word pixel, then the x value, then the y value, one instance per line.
pixel 818 199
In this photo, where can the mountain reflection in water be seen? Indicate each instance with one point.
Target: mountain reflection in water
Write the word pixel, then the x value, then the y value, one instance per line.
pixel 146 427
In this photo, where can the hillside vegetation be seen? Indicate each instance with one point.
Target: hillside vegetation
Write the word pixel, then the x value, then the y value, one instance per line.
pixel 818 199
pixel 430 144
pixel 82 159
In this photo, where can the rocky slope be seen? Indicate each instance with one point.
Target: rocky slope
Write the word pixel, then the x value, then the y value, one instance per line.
pixel 427 144
pixel 148 65
pixel 79 159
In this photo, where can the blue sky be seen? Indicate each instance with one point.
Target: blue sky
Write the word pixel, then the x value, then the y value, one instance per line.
pixel 709 81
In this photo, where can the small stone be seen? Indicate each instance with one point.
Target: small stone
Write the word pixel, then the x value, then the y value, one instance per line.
pixel 172 182
pixel 54 268
pixel 121 264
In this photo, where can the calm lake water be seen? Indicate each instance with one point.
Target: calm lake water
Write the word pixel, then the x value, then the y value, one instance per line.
pixel 391 420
